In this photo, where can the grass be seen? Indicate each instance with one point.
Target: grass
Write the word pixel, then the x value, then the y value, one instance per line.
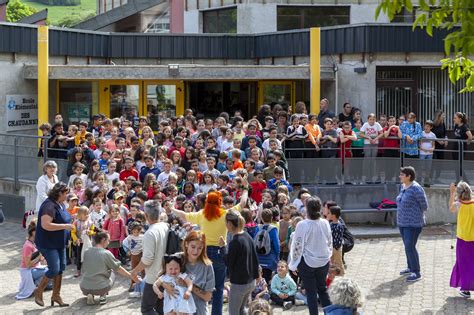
pixel 57 13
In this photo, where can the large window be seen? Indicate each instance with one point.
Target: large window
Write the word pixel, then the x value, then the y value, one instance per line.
pixel 220 21
pixel 290 18
pixel 78 100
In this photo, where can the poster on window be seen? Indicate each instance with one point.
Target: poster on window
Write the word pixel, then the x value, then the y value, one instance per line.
pixel 22 112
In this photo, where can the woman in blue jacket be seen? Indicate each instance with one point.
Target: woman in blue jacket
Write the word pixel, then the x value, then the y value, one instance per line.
pixel 268 261
pixel 411 133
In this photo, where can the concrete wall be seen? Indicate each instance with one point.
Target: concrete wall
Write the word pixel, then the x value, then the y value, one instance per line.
pixel 27 190
pixel 256 18
pixel 192 22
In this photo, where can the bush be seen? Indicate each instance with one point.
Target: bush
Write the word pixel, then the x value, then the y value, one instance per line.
pixel 60 2
pixel 16 10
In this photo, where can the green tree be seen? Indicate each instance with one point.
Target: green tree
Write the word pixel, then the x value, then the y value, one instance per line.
pixel 73 19
pixel 455 16
pixel 16 10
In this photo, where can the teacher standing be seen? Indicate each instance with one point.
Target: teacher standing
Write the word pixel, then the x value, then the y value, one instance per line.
pixel 461 202
pixel 411 207
pixel 54 224
pixel 45 183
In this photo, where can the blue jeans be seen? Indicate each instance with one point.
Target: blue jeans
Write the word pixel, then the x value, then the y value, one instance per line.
pixel 219 275
pixel 410 237
pixel 37 274
pixel 314 282
pixel 56 259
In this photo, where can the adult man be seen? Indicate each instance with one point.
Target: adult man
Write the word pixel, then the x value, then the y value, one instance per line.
pixel 154 245
pixel 324 112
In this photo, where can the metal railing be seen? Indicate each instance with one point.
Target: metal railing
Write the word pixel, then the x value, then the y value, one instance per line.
pixel 329 166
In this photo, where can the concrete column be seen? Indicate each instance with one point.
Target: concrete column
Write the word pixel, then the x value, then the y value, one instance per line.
pixel 256 18
pixel 176 16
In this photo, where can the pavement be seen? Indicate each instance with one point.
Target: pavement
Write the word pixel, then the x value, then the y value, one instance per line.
pixel 374 263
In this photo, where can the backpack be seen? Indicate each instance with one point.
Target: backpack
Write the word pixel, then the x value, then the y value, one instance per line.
pixel 347 240
pixel 174 240
pixel 262 240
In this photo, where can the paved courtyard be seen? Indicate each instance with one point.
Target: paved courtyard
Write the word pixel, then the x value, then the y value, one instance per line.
pixel 374 263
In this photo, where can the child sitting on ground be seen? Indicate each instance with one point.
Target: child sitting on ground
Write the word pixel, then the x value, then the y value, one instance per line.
pixel 283 288
pixel 261 287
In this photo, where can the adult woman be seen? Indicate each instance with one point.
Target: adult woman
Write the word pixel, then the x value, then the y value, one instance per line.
pixel 242 262
pixel 211 220
pixel 46 182
pixel 310 254
pixel 31 270
pixel 411 205
pixel 461 201
pixel 54 222
pixel 97 278
pixel 461 131
pixel 439 129
pixel 411 133
pixel 346 114
pixel 346 297
pixel 265 110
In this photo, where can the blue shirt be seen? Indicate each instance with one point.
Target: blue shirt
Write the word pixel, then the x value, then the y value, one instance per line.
pixel 270 261
pixel 411 204
pixel 415 132
pixel 145 171
pixel 272 184
pixel 52 239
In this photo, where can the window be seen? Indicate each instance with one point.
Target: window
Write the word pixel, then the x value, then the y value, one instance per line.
pixel 220 21
pixel 78 101
pixel 405 16
pixel 290 18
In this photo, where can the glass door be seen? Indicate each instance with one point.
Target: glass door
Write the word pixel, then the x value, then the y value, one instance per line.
pixel 163 100
pixel 276 92
pixel 123 100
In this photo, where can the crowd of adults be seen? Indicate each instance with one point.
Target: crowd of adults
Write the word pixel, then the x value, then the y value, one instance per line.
pixel 221 187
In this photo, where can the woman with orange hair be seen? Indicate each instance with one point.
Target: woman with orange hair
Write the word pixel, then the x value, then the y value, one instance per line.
pixel 212 222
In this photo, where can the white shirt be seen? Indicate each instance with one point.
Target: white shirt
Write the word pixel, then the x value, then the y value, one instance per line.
pixel 266 144
pixel 154 245
pixel 312 241
pixel 70 183
pixel 163 178
pixel 111 177
pixel 427 145
pixel 371 131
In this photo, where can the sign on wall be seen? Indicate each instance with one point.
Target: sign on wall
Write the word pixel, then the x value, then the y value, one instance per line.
pixel 22 112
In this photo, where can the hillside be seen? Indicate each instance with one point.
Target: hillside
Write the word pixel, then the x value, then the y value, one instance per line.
pixel 57 13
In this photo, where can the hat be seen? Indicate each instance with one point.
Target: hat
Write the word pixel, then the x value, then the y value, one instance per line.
pixel 118 195
pixel 71 197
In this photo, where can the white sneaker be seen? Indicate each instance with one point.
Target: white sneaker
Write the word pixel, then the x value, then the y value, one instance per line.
pixel 299 302
pixel 287 305
pixel 90 299
pixel 134 294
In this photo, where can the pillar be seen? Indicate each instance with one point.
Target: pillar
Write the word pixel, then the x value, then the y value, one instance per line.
pixel 315 68
pixel 43 76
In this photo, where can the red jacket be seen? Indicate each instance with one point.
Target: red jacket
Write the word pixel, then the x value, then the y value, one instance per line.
pixel 257 189
pixel 124 174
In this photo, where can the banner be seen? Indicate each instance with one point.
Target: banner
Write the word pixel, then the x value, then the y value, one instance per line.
pixel 22 112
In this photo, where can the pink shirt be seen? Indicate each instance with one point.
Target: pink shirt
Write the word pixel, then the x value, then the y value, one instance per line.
pixel 28 249
pixel 110 144
pixel 116 229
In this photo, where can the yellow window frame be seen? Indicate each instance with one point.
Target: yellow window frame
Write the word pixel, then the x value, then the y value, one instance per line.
pixel 261 88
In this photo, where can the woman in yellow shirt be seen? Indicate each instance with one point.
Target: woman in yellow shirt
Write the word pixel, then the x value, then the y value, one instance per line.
pixel 212 222
pixel 461 201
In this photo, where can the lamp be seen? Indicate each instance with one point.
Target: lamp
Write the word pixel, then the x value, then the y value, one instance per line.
pixel 173 70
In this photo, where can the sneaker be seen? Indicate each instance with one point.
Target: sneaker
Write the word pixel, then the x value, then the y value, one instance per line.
pixel 299 302
pixel 90 299
pixel 465 294
pixel 414 277
pixel 135 294
pixel 405 272
pixel 103 299
pixel 287 305
pixel 78 274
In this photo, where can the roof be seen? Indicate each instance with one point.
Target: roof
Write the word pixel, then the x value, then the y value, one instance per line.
pixel 35 18
pixel 112 16
pixel 349 39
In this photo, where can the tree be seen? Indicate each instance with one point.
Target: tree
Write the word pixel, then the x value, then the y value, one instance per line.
pixel 455 16
pixel 16 10
pixel 73 19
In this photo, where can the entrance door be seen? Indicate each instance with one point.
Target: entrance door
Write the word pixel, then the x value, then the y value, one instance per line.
pixel 396 91
pixel 276 92
pixel 121 99
pixel 163 100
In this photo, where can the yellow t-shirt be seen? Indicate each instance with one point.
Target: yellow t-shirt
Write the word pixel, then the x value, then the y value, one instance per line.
pixel 465 229
pixel 212 229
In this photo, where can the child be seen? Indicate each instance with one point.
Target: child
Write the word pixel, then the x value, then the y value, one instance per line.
pixel 104 159
pixel 116 228
pixel 72 202
pixel 371 131
pixel 283 288
pixel 337 230
pixel 128 169
pixel 278 180
pixel 134 242
pixel 83 228
pixel 149 168
pixel 223 156
pixel 284 225
pixel 78 188
pixel 230 172
pixel 164 176
pixel 208 183
pixel 78 169
pixel 258 186
pixel 97 213
pixel 261 287
pixel 426 152
pixel 267 244
pixel 100 182
pixel 211 149
pixel 236 159
pixel 93 170
pixel 250 225
pixel 111 173
pixel 183 302
pixel 188 206
pixel 358 145
pixel 211 163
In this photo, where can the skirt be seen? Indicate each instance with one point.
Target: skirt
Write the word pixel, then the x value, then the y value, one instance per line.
pixel 463 271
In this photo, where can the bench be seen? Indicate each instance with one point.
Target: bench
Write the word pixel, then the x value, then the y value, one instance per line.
pixel 388 212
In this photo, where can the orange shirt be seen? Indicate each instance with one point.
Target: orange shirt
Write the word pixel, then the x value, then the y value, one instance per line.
pixel 313 132
pixel 238 164
pixel 73 211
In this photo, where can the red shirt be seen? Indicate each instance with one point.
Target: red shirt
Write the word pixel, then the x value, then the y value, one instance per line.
pixel 346 146
pixel 116 229
pixel 180 150
pixel 257 190
pixel 391 143
pixel 124 174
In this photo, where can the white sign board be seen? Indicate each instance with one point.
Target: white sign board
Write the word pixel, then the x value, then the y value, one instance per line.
pixel 22 112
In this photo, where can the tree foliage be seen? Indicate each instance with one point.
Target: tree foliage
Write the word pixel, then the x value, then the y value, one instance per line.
pixel 16 10
pixel 73 19
pixel 455 16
